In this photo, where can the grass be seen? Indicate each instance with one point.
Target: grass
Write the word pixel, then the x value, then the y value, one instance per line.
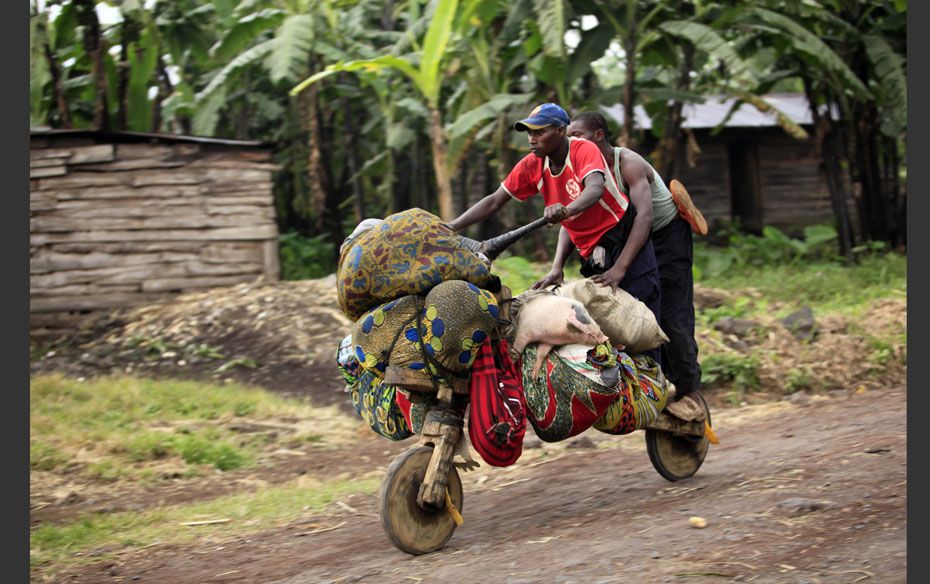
pixel 519 274
pixel 109 428
pixel 60 545
pixel 828 286
pixel 780 288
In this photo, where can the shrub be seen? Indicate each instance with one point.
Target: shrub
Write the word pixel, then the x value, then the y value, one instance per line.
pixel 740 370
pixel 199 450
pixel 304 258
pixel 797 379
pixel 772 248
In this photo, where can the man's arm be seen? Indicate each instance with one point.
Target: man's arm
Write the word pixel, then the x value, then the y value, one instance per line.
pixel 591 194
pixel 563 250
pixel 480 210
pixel 635 174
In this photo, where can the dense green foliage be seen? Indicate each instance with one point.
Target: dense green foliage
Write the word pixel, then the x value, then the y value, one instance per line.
pixel 412 100
pixel 305 258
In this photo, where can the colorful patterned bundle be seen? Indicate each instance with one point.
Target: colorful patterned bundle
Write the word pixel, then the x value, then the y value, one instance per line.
pixel 374 401
pixel 644 393
pixel 568 394
pixel 409 253
pixel 437 335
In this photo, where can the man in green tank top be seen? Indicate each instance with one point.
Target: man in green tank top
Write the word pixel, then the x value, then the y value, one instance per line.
pixel 670 217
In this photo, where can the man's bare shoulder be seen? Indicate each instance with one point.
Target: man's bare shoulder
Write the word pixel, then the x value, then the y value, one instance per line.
pixel 627 155
pixel 632 164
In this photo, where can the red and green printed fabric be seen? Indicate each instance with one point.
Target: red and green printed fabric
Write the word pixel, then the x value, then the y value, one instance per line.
pixel 564 399
pixel 409 253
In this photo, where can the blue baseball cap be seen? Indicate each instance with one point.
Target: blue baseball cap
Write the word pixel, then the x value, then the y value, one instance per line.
pixel 547 114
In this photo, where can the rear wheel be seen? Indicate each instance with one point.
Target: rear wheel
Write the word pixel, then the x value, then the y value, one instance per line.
pixel 410 527
pixel 677 457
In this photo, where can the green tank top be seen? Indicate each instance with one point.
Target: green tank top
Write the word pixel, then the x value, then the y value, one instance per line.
pixel 663 207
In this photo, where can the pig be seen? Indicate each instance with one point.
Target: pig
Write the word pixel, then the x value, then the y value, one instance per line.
pixel 552 321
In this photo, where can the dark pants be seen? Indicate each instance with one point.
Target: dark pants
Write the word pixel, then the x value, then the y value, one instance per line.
pixel 674 253
pixel 642 276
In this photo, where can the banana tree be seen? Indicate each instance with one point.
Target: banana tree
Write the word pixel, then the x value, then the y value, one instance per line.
pixel 846 55
pixel 425 70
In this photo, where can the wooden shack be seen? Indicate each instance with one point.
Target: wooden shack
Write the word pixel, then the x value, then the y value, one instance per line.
pixel 749 168
pixel 119 219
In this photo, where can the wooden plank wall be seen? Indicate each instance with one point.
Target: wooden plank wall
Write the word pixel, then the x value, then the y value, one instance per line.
pixel 116 225
pixel 708 182
pixel 794 193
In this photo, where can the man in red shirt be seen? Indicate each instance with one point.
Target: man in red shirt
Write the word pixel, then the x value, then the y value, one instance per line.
pixel 580 192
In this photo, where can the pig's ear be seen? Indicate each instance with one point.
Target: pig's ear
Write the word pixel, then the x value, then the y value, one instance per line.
pixel 581 313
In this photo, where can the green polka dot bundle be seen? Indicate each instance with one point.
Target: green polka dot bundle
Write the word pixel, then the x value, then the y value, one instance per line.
pixel 437 334
pixel 408 253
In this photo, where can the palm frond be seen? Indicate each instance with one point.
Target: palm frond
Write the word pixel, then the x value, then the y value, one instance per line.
pixel 293 41
pixel 786 123
pixel 246 30
pixel 141 71
pixel 207 114
pixel 593 45
pixel 706 39
pixel 434 46
pixel 552 18
pixel 811 45
pixel 467 122
pixel 889 69
pixel 244 59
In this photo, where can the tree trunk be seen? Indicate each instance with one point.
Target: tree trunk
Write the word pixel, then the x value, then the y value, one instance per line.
pixel 64 113
pixel 165 89
pixel 128 34
pixel 95 48
pixel 665 160
pixel 627 137
pixel 358 203
pixel 443 180
pixel 828 149
pixel 878 209
pixel 315 171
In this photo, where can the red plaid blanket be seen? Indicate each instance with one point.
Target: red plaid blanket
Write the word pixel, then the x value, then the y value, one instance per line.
pixel 497 419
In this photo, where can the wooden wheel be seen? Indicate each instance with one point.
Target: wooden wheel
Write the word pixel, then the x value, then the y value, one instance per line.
pixel 677 457
pixel 409 526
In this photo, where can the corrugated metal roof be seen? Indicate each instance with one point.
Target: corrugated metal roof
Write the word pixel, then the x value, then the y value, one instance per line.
pixel 715 107
pixel 143 137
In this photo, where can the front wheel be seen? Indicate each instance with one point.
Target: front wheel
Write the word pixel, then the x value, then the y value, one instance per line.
pixel 677 457
pixel 410 527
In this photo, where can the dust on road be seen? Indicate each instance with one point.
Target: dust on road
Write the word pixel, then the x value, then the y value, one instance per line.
pixel 810 490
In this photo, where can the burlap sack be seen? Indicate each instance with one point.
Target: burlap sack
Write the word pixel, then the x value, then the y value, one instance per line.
pixel 625 320
pixel 408 253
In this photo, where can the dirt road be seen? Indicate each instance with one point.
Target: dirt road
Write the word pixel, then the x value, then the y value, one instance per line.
pixel 810 490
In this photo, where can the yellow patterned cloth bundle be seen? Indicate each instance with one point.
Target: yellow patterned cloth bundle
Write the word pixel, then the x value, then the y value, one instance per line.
pixel 408 253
